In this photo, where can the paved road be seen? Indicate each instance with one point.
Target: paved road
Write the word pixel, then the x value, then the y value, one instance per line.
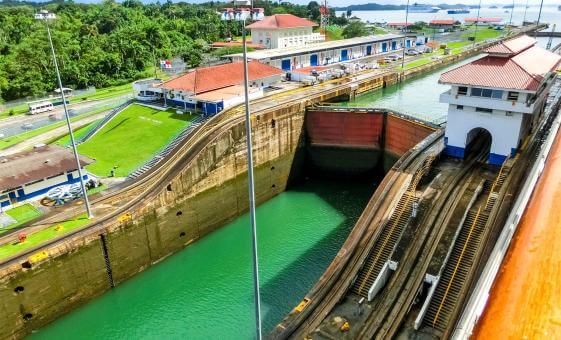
pixel 12 125
pixel 59 131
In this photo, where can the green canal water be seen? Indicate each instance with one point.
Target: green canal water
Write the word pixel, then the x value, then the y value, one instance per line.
pixel 418 97
pixel 205 291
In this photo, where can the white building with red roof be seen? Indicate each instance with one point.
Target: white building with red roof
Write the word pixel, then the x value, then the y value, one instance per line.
pixel 284 30
pixel 210 89
pixel 502 94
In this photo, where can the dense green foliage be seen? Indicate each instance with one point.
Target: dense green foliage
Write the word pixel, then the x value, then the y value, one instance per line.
pixel 111 43
pixel 355 29
pixel 100 45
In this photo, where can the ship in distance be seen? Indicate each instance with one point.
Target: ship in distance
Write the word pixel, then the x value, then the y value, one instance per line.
pixel 458 10
pixel 420 8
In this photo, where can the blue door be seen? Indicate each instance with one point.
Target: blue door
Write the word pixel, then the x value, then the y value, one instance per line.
pixel 368 50
pixel 314 60
pixel 384 47
pixel 344 55
pixel 285 65
pixel 408 43
pixel 394 45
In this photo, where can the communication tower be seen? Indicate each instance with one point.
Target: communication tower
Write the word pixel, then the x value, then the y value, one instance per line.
pixel 324 12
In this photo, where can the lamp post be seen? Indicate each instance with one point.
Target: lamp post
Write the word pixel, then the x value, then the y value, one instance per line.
pixel 525 11
pixel 46 16
pixel 476 23
pixel 251 188
pixel 511 13
pixel 405 37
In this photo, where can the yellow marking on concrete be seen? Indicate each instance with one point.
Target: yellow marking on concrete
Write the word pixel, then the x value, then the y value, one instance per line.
pixel 37 257
pixel 124 217
pixel 301 305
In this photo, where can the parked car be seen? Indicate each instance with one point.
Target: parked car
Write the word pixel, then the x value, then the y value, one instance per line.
pixel 412 52
pixel 392 57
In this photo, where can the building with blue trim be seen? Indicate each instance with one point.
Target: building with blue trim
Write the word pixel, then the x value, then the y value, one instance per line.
pixel 28 174
pixel 209 89
pixel 501 95
pixel 329 52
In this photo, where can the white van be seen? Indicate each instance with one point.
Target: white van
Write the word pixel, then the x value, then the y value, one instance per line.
pixel 40 107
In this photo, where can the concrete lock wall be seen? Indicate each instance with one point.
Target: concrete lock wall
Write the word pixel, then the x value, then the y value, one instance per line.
pixel 179 214
pixel 358 141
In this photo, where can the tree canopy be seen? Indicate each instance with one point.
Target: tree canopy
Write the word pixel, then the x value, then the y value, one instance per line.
pixel 110 43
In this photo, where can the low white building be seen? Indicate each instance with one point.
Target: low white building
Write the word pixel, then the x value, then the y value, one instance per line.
pixel 502 94
pixel 284 30
pixel 28 174
pixel 329 52
pixel 209 89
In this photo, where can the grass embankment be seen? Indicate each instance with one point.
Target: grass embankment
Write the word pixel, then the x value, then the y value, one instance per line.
pixel 9 141
pixel 22 214
pixel 79 133
pixel 39 237
pixel 455 47
pixel 131 138
pixel 333 32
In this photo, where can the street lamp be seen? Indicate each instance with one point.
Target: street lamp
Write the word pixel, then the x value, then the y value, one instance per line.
pixel 405 37
pixel 46 16
pixel 476 23
pixel 251 189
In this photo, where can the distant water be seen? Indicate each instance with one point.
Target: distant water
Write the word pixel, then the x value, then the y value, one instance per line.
pixel 549 15
pixel 205 291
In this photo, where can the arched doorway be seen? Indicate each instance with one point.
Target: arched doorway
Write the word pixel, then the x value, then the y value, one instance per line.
pixel 478 143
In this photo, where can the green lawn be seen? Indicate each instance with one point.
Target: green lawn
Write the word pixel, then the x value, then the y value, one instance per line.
pixel 79 133
pixel 132 138
pixel 483 33
pixel 22 214
pixel 9 141
pixel 39 237
pixel 333 33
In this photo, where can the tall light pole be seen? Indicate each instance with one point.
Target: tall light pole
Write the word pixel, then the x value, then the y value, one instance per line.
pixel 46 16
pixel 405 37
pixel 476 23
pixel 251 187
pixel 511 13
pixel 525 11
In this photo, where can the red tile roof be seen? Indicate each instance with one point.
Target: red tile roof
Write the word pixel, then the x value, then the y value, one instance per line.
pixel 512 46
pixel 443 22
pixel 399 24
pixel 520 72
pixel 282 21
pixel 211 78
pixel 483 19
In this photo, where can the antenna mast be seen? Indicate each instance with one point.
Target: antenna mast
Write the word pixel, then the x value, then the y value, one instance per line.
pixel 324 12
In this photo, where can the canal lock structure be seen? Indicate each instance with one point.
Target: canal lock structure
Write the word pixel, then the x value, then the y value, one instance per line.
pixel 205 290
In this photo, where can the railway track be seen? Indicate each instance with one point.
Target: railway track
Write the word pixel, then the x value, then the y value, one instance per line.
pixel 457 270
pixel 117 201
pixel 390 236
pixel 394 301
